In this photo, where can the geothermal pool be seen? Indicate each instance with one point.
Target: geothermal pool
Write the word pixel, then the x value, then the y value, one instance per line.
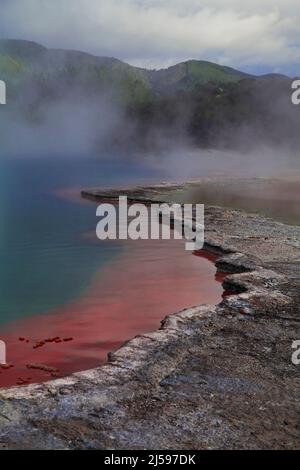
pixel 67 299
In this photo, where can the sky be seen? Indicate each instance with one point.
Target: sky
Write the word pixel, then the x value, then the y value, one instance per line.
pixel 257 36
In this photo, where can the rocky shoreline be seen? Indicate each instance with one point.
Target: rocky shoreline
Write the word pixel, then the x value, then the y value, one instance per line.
pixel 212 377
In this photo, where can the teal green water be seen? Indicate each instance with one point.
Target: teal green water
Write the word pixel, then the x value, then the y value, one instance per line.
pixel 45 260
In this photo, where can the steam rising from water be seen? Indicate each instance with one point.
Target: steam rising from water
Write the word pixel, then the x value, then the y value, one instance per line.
pixel 71 127
pixel 264 161
pixel 83 124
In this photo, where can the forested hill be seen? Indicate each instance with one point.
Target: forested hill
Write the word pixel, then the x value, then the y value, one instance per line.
pixel 203 102
pixel 23 59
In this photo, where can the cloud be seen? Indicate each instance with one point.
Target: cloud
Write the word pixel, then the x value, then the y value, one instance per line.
pixel 155 33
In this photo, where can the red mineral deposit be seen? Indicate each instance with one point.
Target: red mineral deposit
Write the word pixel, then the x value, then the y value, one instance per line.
pixel 130 296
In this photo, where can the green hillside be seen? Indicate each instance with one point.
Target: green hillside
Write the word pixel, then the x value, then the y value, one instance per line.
pixel 24 58
pixel 188 75
pixel 196 101
pixel 10 68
